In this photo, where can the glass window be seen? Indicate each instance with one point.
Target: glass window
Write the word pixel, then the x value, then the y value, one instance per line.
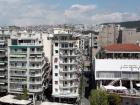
pixel 56 44
pixel 56 82
pixel 56 66
pixel 56 74
pixel 56 51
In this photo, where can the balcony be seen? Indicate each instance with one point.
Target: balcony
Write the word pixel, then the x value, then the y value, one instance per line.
pixel 3 81
pixel 2 55
pixel 16 89
pixel 68 71
pixel 18 52
pixel 63 78
pixel 30 44
pixel 68 86
pixel 18 74
pixel 35 74
pixel 2 62
pixel 18 82
pixel 36 52
pixel 35 82
pixel 66 41
pixel 2 75
pixel 18 67
pixel 68 63
pixel 3 69
pixel 68 94
pixel 18 59
pixel 36 59
pixel 68 55
pixel 35 67
pixel 67 48
pixel 35 90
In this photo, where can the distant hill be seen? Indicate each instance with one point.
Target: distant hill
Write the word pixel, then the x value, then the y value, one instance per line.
pixel 128 24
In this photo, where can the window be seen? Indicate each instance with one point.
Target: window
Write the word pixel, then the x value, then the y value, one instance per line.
pixel 56 51
pixel 65 83
pixel 65 74
pixel 56 82
pixel 56 67
pixel 56 74
pixel 56 44
pixel 56 90
pixel 55 60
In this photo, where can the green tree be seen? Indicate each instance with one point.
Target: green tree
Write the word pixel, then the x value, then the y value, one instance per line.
pixel 24 95
pixel 98 97
pixel 114 99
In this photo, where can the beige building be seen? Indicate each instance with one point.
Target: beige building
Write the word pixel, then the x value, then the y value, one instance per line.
pixel 130 36
pixel 108 34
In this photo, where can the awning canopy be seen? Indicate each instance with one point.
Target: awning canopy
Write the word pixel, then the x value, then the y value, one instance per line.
pixel 10 99
pixel 110 87
pixel 138 84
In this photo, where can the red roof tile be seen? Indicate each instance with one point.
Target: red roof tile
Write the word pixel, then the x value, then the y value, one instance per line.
pixel 123 48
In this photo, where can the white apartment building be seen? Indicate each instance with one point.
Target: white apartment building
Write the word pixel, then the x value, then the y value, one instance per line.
pixel 118 62
pixel 27 67
pixel 4 36
pixel 65 64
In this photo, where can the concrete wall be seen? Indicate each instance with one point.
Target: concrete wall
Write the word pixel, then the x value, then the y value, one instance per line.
pixel 47 47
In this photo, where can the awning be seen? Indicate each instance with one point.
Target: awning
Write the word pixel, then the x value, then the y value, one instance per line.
pixel 110 87
pixel 138 84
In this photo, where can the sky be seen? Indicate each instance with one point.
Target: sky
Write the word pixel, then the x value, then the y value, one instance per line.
pixel 38 12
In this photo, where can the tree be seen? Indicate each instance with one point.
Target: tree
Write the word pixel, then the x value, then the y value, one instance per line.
pixel 114 99
pixel 24 95
pixel 98 97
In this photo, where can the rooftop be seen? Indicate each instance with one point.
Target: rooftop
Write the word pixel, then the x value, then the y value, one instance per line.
pixel 123 48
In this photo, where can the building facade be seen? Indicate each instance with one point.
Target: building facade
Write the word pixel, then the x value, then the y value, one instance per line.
pixel 109 34
pixel 27 67
pixel 4 36
pixel 64 64
pixel 118 62
pixel 130 36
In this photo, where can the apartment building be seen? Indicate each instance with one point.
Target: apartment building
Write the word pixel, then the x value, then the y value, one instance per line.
pixel 130 35
pixel 65 64
pixel 27 67
pixel 118 62
pixel 4 36
pixel 109 34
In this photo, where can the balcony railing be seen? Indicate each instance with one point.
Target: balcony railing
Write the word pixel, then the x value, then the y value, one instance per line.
pixel 18 52
pixel 68 62
pixel 18 74
pixel 35 74
pixel 63 78
pixel 68 86
pixel 68 54
pixel 67 71
pixel 16 89
pixel 36 59
pixel 18 59
pixel 35 82
pixel 35 90
pixel 36 52
pixel 18 82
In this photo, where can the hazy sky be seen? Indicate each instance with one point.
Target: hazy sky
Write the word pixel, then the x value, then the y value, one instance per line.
pixel 30 12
